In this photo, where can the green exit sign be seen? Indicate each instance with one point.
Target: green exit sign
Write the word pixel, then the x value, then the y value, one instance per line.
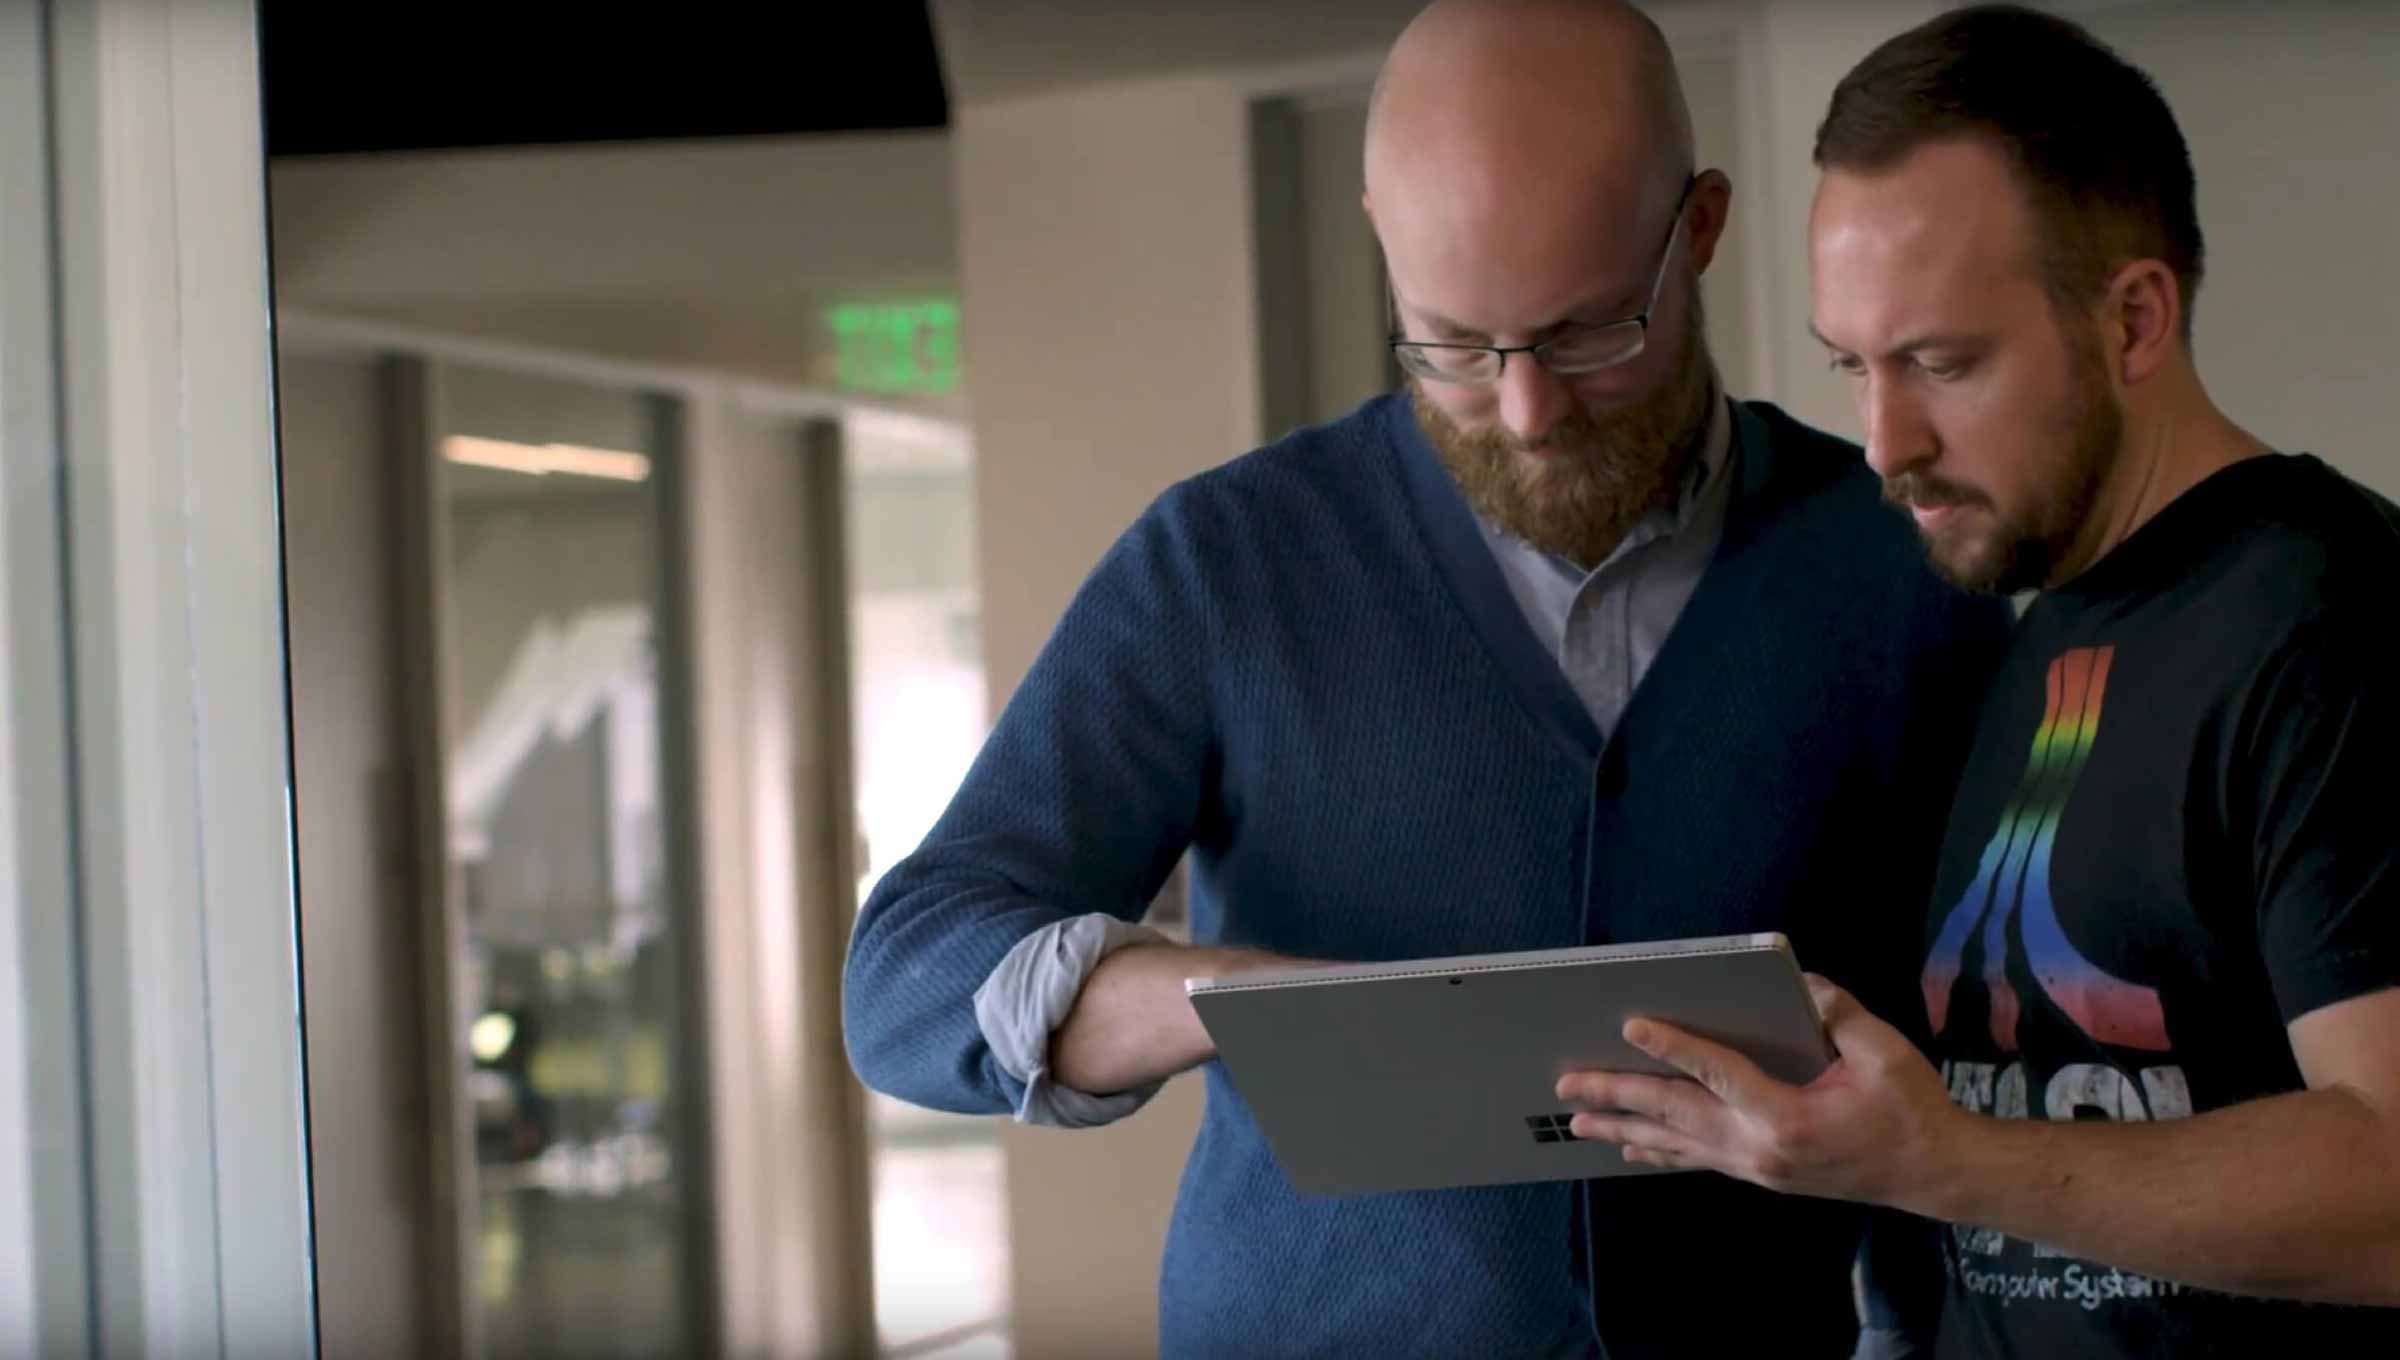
pixel 895 347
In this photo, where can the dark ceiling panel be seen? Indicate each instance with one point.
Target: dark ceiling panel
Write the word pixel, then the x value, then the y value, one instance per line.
pixel 342 77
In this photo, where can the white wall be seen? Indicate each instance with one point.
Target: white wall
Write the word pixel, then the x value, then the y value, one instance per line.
pixel 1107 297
pixel 996 50
pixel 911 532
pixel 2292 123
pixel 1105 267
pixel 2294 127
pixel 1711 85
pixel 368 1126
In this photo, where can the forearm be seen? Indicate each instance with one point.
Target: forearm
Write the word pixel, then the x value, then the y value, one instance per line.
pixel 2294 1196
pixel 1132 1024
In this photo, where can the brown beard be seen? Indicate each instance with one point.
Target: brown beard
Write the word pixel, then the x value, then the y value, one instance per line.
pixel 1609 469
pixel 2025 552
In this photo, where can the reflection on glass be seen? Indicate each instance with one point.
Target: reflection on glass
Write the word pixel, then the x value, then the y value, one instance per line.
pixel 556 794
pixel 941 1233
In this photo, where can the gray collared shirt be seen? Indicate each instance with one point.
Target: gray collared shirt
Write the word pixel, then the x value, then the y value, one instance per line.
pixel 1604 626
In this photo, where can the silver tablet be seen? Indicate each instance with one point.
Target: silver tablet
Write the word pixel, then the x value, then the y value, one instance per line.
pixel 1439 1072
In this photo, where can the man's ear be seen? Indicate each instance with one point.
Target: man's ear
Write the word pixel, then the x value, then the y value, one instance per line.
pixel 2142 320
pixel 1710 209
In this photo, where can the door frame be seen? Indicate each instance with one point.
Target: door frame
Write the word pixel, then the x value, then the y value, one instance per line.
pixel 754 596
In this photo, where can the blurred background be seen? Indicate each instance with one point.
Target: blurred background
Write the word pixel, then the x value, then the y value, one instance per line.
pixel 691 430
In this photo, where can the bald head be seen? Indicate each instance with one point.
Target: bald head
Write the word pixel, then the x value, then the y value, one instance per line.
pixel 1525 161
pixel 1530 137
pixel 1546 86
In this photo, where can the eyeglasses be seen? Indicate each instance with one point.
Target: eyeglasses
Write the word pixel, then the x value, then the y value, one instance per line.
pixel 1585 349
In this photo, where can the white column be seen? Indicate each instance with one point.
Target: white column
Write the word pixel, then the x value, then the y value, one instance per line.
pixel 1110 344
pixel 44 1307
pixel 197 1160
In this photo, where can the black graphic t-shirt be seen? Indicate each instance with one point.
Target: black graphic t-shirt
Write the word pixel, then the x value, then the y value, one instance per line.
pixel 2174 836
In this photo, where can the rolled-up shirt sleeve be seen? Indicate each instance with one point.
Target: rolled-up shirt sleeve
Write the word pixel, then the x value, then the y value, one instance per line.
pixel 1030 993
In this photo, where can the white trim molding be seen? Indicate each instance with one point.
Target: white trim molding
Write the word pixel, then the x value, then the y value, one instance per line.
pixel 197 1139
pixel 45 1239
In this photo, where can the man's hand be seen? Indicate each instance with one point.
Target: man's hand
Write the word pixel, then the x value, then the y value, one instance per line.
pixel 1132 1024
pixel 1874 1126
pixel 2287 1196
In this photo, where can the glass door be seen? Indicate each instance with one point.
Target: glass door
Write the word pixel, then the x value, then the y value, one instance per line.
pixel 562 793
pixel 917 681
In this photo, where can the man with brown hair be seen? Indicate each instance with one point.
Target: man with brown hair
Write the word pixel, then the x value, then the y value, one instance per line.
pixel 2161 962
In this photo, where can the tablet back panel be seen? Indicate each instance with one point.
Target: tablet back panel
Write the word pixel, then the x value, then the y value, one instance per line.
pixel 1439 1073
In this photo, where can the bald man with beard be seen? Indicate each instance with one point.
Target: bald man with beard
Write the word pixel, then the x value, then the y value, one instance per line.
pixel 1558 646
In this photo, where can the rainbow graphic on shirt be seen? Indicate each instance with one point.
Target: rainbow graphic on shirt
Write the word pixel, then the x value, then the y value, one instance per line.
pixel 2012 883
